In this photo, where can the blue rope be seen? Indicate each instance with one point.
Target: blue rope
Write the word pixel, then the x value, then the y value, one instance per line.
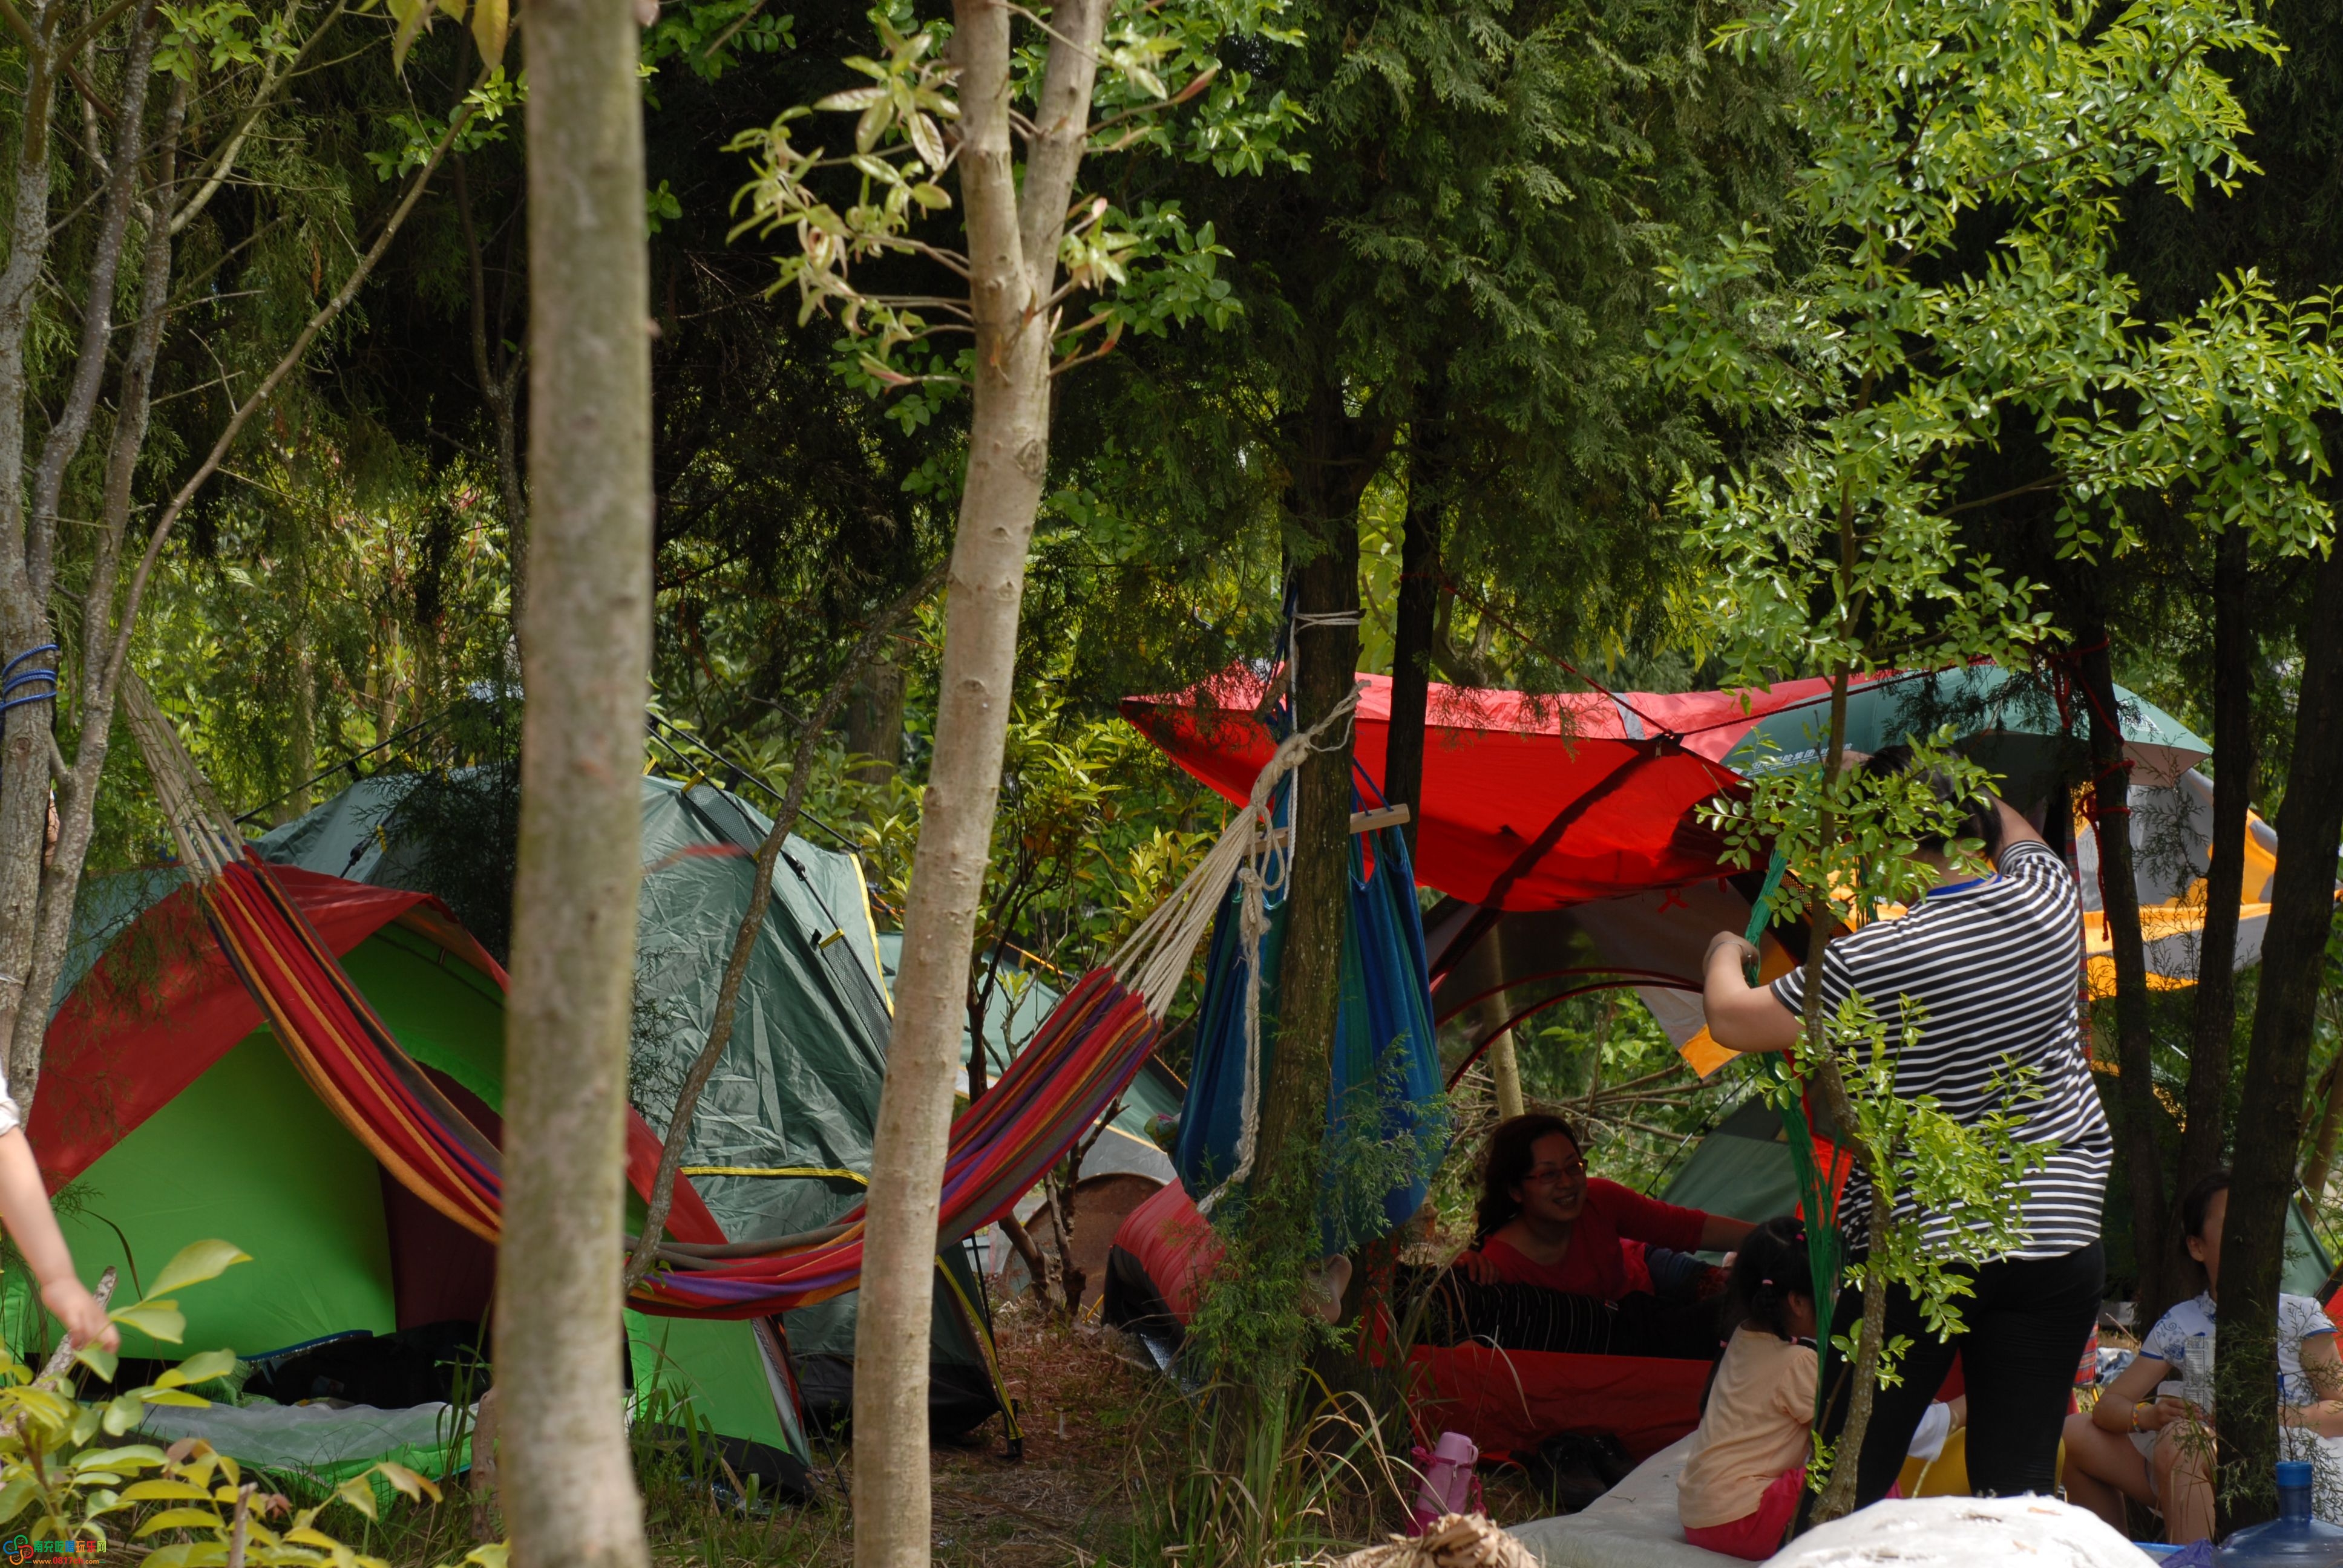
pixel 10 680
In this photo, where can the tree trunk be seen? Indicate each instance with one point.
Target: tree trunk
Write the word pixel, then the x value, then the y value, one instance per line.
pixel 1414 625
pixel 2119 901
pixel 1328 481
pixel 2331 1124
pixel 874 720
pixel 2302 911
pixel 1837 1497
pixel 2212 1039
pixel 568 1486
pixel 1012 255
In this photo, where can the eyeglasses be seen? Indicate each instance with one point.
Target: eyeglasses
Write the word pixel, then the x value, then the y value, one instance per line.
pixel 1548 1175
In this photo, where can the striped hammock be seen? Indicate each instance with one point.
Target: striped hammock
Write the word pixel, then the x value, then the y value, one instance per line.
pixel 1080 1060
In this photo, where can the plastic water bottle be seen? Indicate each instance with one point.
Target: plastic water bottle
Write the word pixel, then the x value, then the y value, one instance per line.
pixel 2294 1537
pixel 1448 1478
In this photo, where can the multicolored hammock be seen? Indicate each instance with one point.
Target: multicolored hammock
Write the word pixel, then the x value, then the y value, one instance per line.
pixel 1084 1055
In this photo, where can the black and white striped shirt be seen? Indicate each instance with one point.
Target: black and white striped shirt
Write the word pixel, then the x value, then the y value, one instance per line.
pixel 1995 966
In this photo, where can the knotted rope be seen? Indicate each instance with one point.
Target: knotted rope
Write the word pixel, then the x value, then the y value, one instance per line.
pixel 1155 960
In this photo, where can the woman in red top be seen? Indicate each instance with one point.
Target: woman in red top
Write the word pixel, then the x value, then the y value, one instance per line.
pixel 1543 1220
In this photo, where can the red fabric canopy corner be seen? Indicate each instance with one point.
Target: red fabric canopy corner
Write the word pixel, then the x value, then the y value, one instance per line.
pixel 163 1004
pixel 1528 802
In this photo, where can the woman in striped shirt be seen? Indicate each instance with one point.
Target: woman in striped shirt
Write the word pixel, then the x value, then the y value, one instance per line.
pixel 1994 965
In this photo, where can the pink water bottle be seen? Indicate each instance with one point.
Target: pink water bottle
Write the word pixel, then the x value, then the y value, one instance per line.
pixel 1447 1479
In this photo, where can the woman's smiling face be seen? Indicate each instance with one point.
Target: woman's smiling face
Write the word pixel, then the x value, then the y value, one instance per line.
pixel 1553 1192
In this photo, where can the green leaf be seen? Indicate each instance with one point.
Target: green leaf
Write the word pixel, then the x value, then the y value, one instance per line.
pixel 175 1396
pixel 358 1495
pixel 200 1260
pixel 181 1519
pixel 199 1368
pixel 99 1359
pixel 491 25
pixel 160 1490
pixel 408 1483
pixel 157 1320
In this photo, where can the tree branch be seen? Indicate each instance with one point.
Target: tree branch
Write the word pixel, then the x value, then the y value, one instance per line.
pixel 72 426
pixel 252 404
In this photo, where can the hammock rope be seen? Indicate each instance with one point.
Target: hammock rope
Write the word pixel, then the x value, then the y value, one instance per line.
pixel 1078 1063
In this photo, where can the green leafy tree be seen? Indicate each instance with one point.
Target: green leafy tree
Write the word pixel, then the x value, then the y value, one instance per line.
pixel 1966 164
pixel 125 120
pixel 1032 246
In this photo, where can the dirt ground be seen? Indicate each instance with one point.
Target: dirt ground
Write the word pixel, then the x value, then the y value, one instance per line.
pixel 1064 1504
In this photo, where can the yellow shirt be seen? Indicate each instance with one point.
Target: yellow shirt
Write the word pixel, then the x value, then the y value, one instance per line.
pixel 1755 1431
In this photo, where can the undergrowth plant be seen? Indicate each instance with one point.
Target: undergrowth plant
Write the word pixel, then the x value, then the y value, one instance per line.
pixel 1290 1444
pixel 69 1486
pixel 1253 1477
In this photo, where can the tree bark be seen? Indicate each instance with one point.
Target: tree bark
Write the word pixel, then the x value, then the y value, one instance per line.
pixel 1414 625
pixel 1329 477
pixel 568 1484
pixel 2331 1124
pixel 2212 1038
pixel 499 375
pixel 2119 901
pixel 1013 248
pixel 874 721
pixel 2302 912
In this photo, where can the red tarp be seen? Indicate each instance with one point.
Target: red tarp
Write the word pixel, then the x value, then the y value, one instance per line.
pixel 163 1005
pixel 1529 803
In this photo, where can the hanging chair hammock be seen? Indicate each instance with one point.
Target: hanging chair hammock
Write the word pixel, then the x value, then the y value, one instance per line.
pixel 1385 1064
pixel 1083 1057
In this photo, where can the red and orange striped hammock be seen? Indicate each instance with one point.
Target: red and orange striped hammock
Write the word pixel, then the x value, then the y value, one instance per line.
pixel 1083 1057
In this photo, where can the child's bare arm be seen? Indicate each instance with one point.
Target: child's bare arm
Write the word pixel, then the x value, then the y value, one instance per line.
pixel 25 1210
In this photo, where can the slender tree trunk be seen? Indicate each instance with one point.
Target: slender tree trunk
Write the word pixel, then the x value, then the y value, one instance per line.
pixel 874 720
pixel 2119 901
pixel 1013 255
pixel 1328 482
pixel 1414 624
pixel 2286 1008
pixel 568 1486
pixel 2213 1038
pixel 2315 1175
pixel 499 374
pixel 1837 1497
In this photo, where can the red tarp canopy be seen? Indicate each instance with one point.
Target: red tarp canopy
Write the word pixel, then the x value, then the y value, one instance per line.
pixel 162 1005
pixel 1528 802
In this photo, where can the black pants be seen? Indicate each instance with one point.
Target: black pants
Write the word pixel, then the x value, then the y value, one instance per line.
pixel 2023 1334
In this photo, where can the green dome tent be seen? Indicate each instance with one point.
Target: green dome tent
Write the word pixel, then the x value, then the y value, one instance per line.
pixel 780 1143
pixel 170 1114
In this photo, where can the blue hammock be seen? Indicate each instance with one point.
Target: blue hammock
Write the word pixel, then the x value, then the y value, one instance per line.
pixel 1386 1066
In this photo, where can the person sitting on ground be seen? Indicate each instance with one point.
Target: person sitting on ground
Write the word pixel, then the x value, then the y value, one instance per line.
pixel 1739 1487
pixel 2152 1446
pixel 1543 1220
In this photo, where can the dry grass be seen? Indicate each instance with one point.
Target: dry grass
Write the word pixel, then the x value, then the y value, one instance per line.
pixel 1064 1503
